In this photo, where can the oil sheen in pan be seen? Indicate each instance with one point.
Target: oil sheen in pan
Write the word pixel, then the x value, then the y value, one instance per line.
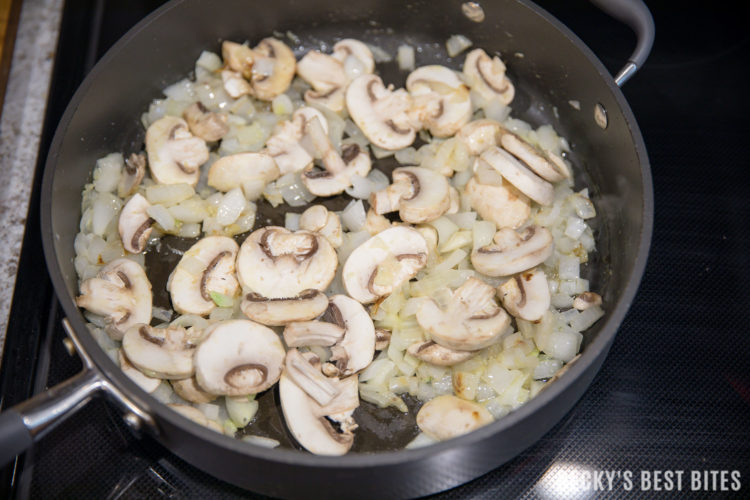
pixel 380 429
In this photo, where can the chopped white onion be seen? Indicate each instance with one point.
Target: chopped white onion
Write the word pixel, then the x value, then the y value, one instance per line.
pixel 232 205
pixel 457 44
pixel 262 441
pixel 353 217
pixel 405 57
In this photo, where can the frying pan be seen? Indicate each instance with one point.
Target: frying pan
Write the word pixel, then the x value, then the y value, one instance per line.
pixel 551 68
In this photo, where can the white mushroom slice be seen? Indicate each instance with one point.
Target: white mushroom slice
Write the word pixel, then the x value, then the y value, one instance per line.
pixel 160 352
pixel 419 194
pixel 121 293
pixel 356 350
pixel 273 69
pixel 586 300
pixel 479 135
pixel 319 219
pixel 487 76
pixel 280 311
pixel 380 112
pixel 237 57
pixel 322 430
pixel 382 339
pixel 248 171
pixel 206 268
pixel 148 384
pixel 277 263
pixel 441 100
pixel 513 252
pixel 339 169
pixel 197 416
pixel 205 124
pixel 526 295
pixel 174 154
pixel 355 56
pixel 189 390
pixel 545 163
pixel 470 321
pixel 517 174
pixel 284 145
pixel 375 223
pixel 238 357
pixel 310 333
pixel 134 224
pixel 234 84
pixel 500 203
pixel 383 263
pixel 135 169
pixel 326 76
pixel 435 354
pixel 305 372
pixel 448 416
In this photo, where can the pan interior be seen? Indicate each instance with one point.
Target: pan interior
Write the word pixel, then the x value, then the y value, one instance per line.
pixel 538 102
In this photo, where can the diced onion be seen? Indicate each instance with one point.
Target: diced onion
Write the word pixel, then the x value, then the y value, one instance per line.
pixel 353 217
pixel 457 44
pixel 405 57
pixel 262 441
pixel 162 217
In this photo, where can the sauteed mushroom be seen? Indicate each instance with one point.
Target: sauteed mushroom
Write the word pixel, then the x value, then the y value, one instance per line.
pixel 174 154
pixel 205 124
pixel 496 200
pixel 487 76
pixel 435 354
pixel 121 293
pixel 307 305
pixel 238 357
pixel 326 76
pixel 132 175
pixel 284 145
pixel 148 384
pixel 544 163
pixel 526 295
pixel 472 320
pixel 517 174
pixel 206 268
pixel 189 390
pixel 273 68
pixel 419 194
pixel 134 224
pixel 441 100
pixel 513 252
pixel 319 219
pixel 447 417
pixel 160 352
pixel 249 171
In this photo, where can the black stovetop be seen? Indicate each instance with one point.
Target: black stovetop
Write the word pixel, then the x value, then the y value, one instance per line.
pixel 674 393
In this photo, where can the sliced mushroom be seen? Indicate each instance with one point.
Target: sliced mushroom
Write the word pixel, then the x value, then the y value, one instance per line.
pixel 312 333
pixel 160 352
pixel 121 293
pixel 304 370
pixel 586 300
pixel 277 263
pixel 487 76
pixel 448 416
pixel 517 174
pixel 280 311
pixel 234 84
pixel 338 168
pixel 319 219
pixel 479 135
pixel 134 224
pixel 419 194
pixel 441 100
pixel 238 357
pixel 513 252
pixel 206 268
pixel 470 321
pixel 355 351
pixel 375 223
pixel 383 263
pixel 355 56
pixel 284 145
pixel 326 76
pixel 322 430
pixel 205 124
pixel 189 390
pixel 435 354
pixel 238 57
pixel 135 169
pixel 249 171
pixel 273 69
pixel 380 112
pixel 544 163
pixel 498 202
pixel 382 339
pixel 174 154
pixel 148 384
pixel 526 295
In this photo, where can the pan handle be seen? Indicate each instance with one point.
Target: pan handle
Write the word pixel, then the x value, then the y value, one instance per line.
pixel 24 423
pixel 636 15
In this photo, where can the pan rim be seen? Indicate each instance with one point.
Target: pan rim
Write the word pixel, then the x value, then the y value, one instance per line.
pixel 598 347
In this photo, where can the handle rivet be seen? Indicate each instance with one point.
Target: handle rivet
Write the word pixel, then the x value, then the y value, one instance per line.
pixel 133 421
pixel 69 346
